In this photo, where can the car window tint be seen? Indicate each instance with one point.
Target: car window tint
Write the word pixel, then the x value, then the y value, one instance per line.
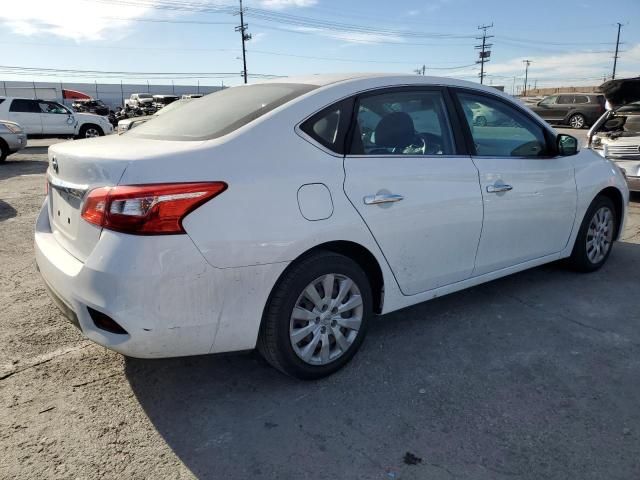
pixel 507 131
pixel 565 99
pixel 221 112
pixel 402 123
pixel 581 99
pixel 24 106
pixel 549 100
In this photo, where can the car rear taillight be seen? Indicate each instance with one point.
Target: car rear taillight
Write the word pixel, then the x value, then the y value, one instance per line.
pixel 147 209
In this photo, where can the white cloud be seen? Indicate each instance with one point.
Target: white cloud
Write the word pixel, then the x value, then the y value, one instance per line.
pixel 282 4
pixel 75 19
pixel 574 68
pixel 352 37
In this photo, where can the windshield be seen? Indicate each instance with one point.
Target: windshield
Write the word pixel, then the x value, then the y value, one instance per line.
pixel 222 112
pixel 144 95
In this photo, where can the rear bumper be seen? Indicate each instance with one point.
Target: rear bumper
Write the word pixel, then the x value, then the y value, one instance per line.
pixel 161 290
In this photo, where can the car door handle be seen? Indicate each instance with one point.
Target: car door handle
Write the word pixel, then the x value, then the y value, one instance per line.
pixel 499 187
pixel 379 198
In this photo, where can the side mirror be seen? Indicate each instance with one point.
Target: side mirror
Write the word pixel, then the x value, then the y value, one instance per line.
pixel 567 145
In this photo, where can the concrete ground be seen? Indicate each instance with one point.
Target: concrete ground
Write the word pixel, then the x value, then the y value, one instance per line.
pixel 534 376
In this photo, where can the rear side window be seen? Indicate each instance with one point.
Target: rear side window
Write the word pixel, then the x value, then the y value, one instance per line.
pixel 581 99
pixel 220 113
pixel 24 106
pixel 330 126
pixel 403 122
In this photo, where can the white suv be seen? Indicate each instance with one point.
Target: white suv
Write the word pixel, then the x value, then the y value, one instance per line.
pixel 43 118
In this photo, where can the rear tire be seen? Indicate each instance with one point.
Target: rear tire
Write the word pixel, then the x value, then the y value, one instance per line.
pixel 90 131
pixel 310 339
pixel 577 121
pixel 4 151
pixel 481 121
pixel 596 235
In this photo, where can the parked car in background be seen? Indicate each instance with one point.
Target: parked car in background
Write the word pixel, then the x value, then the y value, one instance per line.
pixel 132 122
pixel 578 110
pixel 47 119
pixel 97 107
pixel 138 100
pixel 12 138
pixel 161 101
pixel 264 215
pixel 483 116
pixel 616 135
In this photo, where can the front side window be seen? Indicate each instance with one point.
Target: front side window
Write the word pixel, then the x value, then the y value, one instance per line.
pixel 220 113
pixel 510 133
pixel 405 122
pixel 549 100
pixel 52 107
pixel 565 99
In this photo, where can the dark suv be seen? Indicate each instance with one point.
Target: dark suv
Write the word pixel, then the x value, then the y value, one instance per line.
pixel 577 110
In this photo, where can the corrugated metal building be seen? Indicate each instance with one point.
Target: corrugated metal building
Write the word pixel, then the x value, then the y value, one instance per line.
pixel 110 93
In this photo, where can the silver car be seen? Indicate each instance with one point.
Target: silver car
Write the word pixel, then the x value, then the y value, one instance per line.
pixel 12 138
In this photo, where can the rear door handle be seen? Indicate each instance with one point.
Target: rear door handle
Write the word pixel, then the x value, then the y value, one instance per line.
pixel 382 198
pixel 499 187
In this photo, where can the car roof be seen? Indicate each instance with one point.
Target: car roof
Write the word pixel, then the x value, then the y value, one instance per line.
pixel 392 79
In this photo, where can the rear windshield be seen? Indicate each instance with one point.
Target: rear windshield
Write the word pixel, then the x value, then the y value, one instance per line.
pixel 220 113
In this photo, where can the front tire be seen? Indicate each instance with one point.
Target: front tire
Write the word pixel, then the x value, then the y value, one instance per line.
pixel 481 121
pixel 577 121
pixel 90 131
pixel 317 316
pixel 595 237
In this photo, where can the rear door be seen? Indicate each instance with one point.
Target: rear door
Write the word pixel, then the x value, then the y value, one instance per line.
pixel 409 179
pixel 27 114
pixel 564 106
pixel 56 119
pixel 529 195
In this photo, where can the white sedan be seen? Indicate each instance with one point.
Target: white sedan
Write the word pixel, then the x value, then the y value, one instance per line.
pixel 284 215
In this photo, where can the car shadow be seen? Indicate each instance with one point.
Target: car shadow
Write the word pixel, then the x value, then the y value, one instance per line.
pixel 13 167
pixel 468 382
pixel 6 211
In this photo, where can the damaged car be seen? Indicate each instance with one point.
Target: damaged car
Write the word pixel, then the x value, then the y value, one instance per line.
pixel 616 134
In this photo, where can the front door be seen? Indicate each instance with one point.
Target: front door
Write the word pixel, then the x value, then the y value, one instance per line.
pixel 56 119
pixel 529 197
pixel 419 198
pixel 26 113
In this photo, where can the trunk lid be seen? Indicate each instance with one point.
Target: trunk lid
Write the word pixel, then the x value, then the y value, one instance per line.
pixel 76 167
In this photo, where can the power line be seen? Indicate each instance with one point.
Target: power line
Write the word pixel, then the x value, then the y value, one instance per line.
pixel 485 54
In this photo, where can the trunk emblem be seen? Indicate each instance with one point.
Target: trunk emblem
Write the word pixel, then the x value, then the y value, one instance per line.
pixel 54 164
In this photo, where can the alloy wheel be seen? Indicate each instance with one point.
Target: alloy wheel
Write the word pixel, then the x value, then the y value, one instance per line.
pixel 600 235
pixel 91 133
pixel 577 121
pixel 325 319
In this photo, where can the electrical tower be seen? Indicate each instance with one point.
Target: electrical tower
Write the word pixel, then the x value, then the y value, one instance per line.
pixel 526 76
pixel 485 49
pixel 242 28
pixel 421 71
pixel 615 57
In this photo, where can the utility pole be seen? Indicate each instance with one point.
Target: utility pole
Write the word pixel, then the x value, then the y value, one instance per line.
pixel 421 71
pixel 485 52
pixel 526 76
pixel 242 28
pixel 615 57
pixel 513 89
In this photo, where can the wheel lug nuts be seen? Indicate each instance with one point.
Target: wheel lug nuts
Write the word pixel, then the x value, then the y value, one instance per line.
pixel 334 310
pixel 317 319
pixel 333 323
pixel 323 330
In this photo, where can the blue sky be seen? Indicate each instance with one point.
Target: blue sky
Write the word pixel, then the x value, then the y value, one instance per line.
pixel 569 41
